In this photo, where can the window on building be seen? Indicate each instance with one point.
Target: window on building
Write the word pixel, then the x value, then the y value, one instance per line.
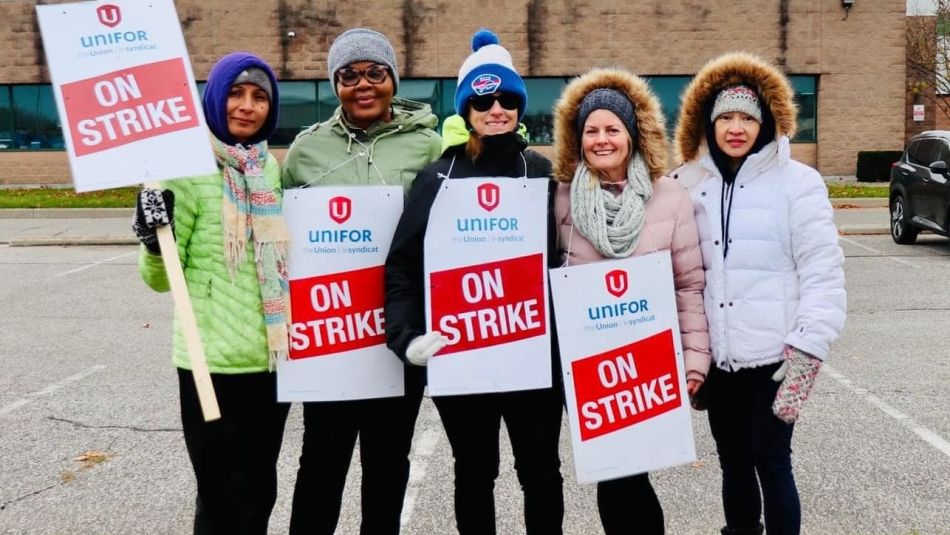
pixel 538 118
pixel 35 122
pixel 298 110
pixel 806 96
pixel 6 118
pixel 668 90
pixel 28 117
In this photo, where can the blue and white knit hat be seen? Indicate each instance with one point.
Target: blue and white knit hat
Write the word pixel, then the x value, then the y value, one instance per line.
pixel 741 98
pixel 487 70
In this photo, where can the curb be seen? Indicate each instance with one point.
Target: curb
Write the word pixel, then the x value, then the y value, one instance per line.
pixel 863 230
pixel 66 213
pixel 71 241
pixel 859 202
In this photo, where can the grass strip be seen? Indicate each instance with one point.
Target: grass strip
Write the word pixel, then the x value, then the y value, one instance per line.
pixel 67 198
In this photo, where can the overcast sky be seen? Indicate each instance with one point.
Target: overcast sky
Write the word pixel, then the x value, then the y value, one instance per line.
pixel 920 7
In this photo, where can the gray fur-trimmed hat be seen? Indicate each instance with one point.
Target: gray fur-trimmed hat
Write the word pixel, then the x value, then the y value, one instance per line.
pixel 605 98
pixel 361 44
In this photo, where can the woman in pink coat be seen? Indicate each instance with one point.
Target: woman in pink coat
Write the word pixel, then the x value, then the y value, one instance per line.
pixel 614 202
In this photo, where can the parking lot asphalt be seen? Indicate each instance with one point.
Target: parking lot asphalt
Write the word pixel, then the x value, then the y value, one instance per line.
pixel 28 227
pixel 91 439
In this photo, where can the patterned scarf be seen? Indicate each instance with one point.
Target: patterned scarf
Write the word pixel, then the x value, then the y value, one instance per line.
pixel 611 224
pixel 251 209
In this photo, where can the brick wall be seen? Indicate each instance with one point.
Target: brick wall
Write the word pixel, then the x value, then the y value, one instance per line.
pixel 860 60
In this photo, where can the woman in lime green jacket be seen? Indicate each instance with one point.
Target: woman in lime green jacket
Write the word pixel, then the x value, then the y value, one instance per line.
pixel 232 242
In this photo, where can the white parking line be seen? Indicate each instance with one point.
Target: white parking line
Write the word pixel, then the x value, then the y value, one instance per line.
pixel 423 448
pixel 875 251
pixel 923 432
pixel 87 266
pixel 6 409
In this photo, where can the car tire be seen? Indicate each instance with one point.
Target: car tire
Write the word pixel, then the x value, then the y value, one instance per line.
pixel 901 229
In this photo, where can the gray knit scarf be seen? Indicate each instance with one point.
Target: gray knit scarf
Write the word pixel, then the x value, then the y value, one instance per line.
pixel 611 224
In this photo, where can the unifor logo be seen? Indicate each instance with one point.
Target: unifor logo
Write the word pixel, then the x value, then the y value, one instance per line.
pixel 341 208
pixel 486 84
pixel 109 15
pixel 616 282
pixel 489 196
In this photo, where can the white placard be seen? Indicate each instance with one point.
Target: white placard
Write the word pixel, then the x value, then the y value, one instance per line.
pixel 485 272
pixel 339 238
pixel 918 112
pixel 622 360
pixel 125 92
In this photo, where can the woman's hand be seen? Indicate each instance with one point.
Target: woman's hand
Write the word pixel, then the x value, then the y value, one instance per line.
pixel 692 386
pixel 153 208
pixel 424 347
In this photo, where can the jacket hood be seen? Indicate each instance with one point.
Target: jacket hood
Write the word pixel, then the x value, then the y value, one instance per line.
pixel 726 70
pixel 651 131
pixel 214 98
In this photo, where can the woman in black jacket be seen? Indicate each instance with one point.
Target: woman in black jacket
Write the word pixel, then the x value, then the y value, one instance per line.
pixel 472 421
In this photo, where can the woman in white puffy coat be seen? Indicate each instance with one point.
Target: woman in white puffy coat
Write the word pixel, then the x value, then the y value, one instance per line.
pixel 775 292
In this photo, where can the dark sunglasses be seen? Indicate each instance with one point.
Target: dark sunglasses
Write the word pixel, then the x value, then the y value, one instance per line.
pixel 508 101
pixel 375 74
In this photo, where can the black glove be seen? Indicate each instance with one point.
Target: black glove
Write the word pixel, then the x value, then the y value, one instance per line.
pixel 153 208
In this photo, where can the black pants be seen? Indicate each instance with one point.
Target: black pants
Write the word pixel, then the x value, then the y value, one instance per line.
pixel 234 458
pixel 754 452
pixel 629 505
pixel 473 423
pixel 384 427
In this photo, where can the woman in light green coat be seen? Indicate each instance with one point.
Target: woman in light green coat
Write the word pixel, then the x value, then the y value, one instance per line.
pixel 232 243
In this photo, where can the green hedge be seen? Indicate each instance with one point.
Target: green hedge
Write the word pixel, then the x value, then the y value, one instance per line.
pixel 875 165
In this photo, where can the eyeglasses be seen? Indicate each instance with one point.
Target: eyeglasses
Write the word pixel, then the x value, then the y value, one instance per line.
pixel 508 101
pixel 375 74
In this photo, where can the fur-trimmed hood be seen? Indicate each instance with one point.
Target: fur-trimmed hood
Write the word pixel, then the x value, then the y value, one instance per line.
pixel 651 131
pixel 726 70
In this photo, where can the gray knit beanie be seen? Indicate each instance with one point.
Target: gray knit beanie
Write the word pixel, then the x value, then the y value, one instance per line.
pixel 257 77
pixel 604 98
pixel 361 44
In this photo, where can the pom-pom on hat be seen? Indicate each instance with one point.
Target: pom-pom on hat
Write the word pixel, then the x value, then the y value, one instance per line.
pixel 735 98
pixel 361 44
pixel 488 70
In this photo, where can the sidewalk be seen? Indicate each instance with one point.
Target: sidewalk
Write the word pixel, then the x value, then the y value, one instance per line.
pixel 112 226
pixel 78 226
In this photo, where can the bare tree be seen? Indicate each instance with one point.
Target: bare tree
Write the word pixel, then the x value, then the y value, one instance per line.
pixel 928 57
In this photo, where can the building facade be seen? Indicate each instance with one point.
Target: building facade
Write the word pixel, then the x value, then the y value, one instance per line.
pixel 847 67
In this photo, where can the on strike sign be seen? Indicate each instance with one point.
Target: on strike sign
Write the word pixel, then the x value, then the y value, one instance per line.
pixel 627 385
pixel 485 265
pixel 125 92
pixel 622 360
pixel 489 304
pixel 121 107
pixel 339 238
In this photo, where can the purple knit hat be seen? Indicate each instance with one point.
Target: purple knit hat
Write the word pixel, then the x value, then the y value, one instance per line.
pixel 215 96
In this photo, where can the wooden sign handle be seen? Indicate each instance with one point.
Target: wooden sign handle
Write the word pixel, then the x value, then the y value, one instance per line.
pixel 186 318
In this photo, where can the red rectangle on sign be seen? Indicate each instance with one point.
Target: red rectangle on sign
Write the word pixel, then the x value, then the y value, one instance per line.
pixel 489 304
pixel 627 385
pixel 336 313
pixel 128 105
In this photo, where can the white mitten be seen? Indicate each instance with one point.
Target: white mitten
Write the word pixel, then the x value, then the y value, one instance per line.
pixel 797 373
pixel 421 348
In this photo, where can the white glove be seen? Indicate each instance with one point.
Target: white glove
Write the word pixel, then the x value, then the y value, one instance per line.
pixel 421 348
